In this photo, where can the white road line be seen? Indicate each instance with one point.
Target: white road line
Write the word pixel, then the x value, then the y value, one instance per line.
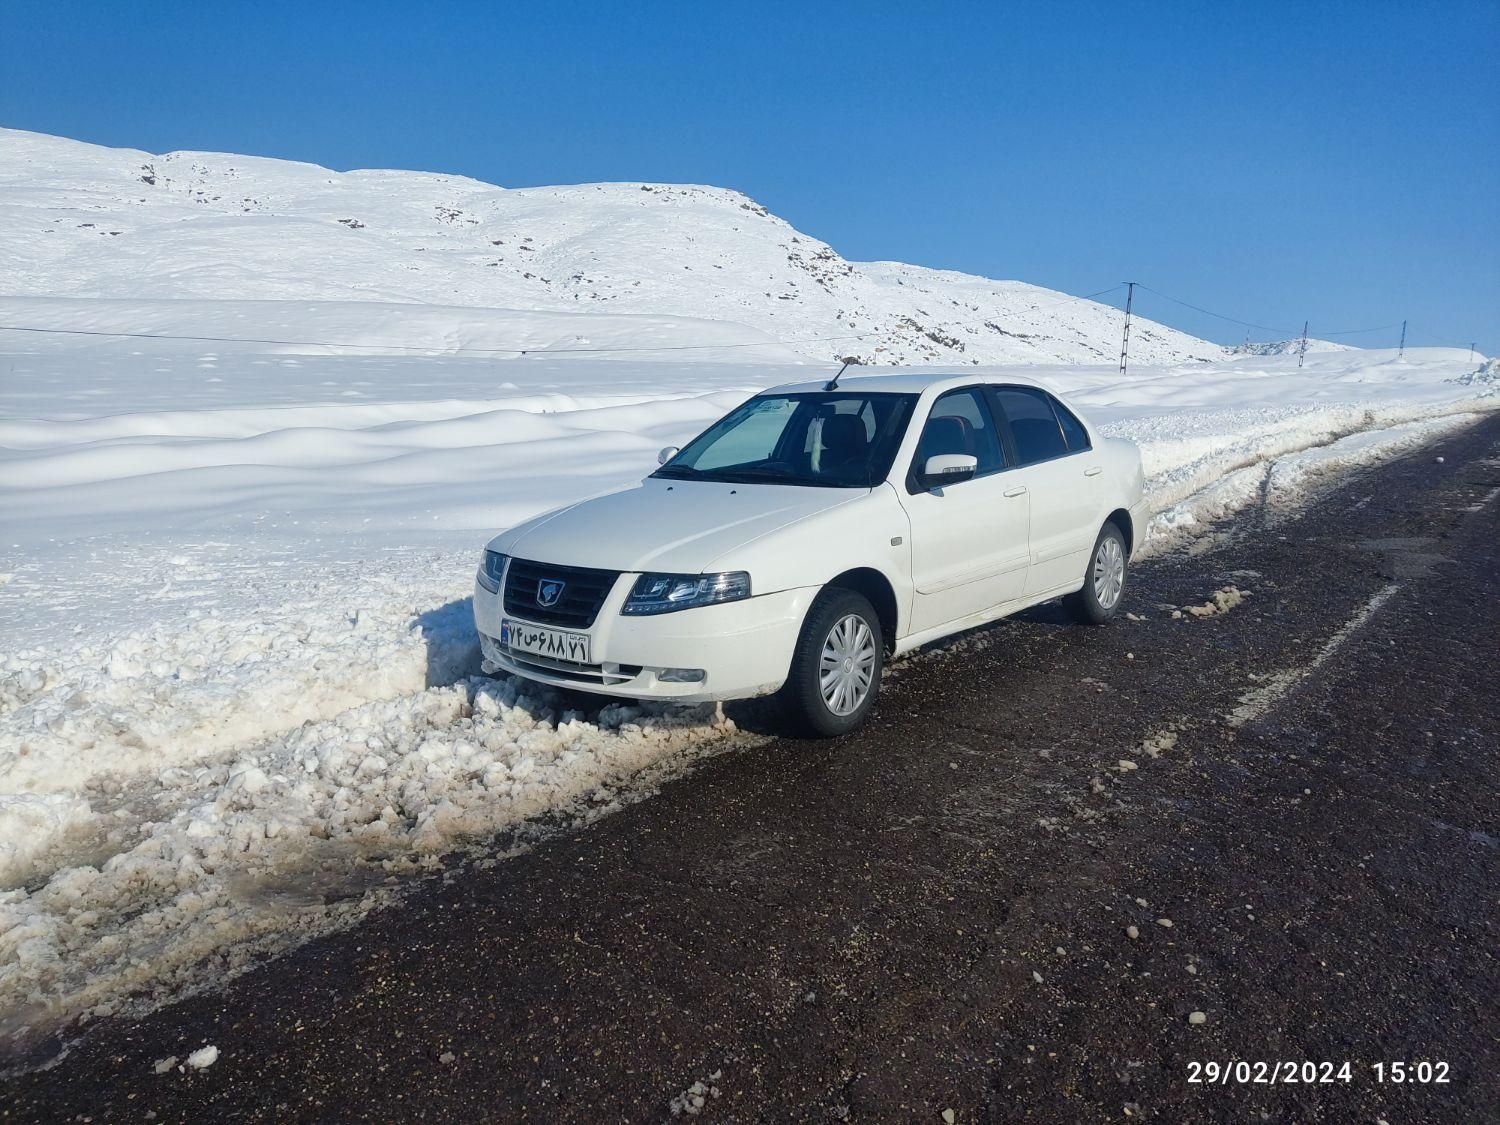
pixel 1255 703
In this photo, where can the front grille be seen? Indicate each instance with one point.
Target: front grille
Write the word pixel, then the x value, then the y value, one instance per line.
pixel 583 593
pixel 567 670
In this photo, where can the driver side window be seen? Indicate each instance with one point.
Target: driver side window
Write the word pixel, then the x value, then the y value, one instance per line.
pixel 960 422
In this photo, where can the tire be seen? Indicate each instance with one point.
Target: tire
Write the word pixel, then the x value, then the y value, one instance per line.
pixel 839 620
pixel 1104 580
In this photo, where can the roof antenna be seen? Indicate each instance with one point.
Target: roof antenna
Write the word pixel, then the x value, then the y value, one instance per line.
pixel 847 360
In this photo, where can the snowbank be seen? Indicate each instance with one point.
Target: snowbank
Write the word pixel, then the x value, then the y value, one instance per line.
pixel 208 863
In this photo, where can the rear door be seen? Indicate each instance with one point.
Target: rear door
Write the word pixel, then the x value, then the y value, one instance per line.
pixel 1061 480
pixel 969 541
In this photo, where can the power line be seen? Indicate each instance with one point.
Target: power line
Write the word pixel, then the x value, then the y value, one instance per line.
pixel 699 347
pixel 1210 312
pixel 1279 331
pixel 484 351
pixel 1360 331
pixel 1070 300
pixel 467 351
pixel 215 339
pixel 421 348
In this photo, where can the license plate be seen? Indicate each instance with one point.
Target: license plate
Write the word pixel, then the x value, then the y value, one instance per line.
pixel 538 639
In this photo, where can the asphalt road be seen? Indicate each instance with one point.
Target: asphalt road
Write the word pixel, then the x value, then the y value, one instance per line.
pixel 934 914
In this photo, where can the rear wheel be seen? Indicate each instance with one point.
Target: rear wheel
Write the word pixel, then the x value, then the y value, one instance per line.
pixel 835 672
pixel 1104 581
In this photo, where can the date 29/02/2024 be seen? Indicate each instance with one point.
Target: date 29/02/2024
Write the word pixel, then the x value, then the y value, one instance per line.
pixel 1290 1072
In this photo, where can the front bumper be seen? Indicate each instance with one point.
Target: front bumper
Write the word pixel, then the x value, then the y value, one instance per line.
pixel 744 647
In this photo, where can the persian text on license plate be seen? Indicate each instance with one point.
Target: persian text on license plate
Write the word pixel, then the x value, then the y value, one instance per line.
pixel 542 641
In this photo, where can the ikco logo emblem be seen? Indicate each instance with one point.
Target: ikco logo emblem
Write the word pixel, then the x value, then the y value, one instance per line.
pixel 548 590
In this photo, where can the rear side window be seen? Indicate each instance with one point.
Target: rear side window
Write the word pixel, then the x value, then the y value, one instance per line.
pixel 1072 428
pixel 1033 425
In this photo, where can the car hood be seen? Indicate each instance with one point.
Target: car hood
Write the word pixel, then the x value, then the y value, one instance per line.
pixel 675 526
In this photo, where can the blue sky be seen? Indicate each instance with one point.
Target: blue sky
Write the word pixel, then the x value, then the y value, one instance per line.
pixel 1273 162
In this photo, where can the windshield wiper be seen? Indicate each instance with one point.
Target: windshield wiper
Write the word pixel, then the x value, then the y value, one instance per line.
pixel 752 475
pixel 677 472
pixel 775 476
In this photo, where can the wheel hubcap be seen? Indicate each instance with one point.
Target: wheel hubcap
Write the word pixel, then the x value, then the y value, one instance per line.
pixel 1109 572
pixel 847 669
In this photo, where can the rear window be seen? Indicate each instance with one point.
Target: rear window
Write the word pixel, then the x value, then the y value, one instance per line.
pixel 1033 425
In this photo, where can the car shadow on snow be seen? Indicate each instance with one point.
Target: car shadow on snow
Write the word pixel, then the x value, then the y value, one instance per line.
pixel 452 642
pixel 453 655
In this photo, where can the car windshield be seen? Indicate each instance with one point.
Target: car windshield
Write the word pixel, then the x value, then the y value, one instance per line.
pixel 826 439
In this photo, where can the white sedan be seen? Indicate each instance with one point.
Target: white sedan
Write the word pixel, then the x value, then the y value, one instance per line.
pixel 811 533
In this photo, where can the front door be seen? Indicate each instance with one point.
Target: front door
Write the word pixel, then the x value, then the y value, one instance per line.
pixel 969 541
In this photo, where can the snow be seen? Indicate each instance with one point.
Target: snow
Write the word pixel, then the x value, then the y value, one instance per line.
pixel 1290 347
pixel 1291 478
pixel 239 690
pixel 203 1057
pixel 78 220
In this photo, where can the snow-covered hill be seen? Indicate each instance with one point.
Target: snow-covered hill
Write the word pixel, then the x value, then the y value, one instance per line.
pixel 79 220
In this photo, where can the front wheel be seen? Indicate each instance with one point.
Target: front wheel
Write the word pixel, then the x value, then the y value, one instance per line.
pixel 1104 581
pixel 835 672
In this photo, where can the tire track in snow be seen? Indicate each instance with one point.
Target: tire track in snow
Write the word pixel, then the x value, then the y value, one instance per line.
pixel 1280 479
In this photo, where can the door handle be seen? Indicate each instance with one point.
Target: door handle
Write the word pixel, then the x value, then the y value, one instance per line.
pixel 1019 490
pixel 1093 471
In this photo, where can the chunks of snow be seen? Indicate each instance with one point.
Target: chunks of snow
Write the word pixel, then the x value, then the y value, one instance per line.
pixel 34 824
pixel 1220 601
pixel 692 1100
pixel 203 1057
pixel 287 835
pixel 1158 744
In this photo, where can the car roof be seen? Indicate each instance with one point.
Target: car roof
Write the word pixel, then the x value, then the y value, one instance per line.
pixel 909 380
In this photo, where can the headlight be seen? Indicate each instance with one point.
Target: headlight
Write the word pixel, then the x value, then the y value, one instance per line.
pixel 667 593
pixel 491 570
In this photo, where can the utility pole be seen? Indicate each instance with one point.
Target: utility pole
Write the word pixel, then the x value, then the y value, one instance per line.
pixel 1401 351
pixel 1471 353
pixel 1302 351
pixel 1125 341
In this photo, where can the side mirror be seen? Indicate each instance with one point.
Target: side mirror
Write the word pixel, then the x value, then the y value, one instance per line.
pixel 666 454
pixel 949 468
